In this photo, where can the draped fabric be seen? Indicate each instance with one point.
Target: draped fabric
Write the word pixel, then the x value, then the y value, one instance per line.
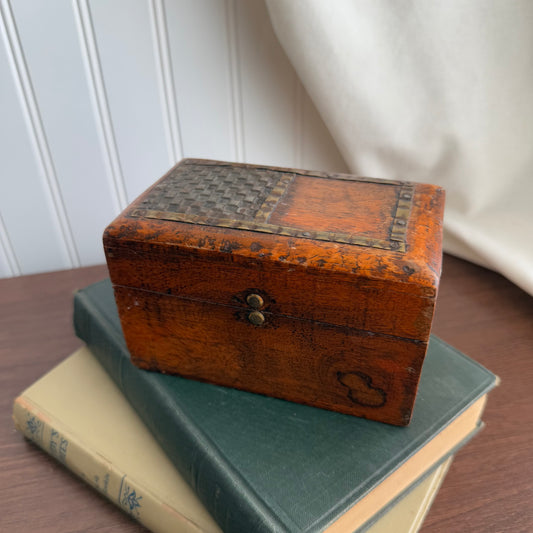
pixel 436 92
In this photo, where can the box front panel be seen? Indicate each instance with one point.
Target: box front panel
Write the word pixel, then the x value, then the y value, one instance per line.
pixel 337 368
pixel 301 292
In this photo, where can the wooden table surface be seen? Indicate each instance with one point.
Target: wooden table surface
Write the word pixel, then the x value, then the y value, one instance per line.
pixel 488 489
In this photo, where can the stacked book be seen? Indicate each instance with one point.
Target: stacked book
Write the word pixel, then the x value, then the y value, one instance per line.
pixel 180 455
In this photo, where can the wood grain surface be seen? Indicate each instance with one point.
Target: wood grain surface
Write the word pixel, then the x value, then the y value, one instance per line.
pixel 490 484
pixel 342 327
pixel 340 369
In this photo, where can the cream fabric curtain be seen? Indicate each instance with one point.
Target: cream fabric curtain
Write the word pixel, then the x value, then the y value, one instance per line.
pixel 437 92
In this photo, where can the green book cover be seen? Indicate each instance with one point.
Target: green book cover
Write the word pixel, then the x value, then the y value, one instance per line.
pixel 261 464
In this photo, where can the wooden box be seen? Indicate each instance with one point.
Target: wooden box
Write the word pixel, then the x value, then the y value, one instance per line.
pixel 305 286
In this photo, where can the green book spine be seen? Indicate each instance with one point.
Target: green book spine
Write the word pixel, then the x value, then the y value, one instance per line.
pixel 265 465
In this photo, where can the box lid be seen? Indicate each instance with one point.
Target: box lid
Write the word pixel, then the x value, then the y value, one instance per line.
pixel 331 247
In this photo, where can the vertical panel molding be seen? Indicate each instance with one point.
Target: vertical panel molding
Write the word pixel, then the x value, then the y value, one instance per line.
pixel 235 80
pixel 165 80
pixel 298 123
pixel 93 69
pixel 37 137
pixel 9 253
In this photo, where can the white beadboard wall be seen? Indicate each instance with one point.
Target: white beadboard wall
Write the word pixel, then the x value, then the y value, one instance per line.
pixel 98 98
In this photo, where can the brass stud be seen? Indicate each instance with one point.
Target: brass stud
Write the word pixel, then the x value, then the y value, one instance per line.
pixel 255 301
pixel 256 318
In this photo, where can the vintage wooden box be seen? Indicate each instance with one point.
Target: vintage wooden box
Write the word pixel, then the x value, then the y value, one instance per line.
pixel 300 285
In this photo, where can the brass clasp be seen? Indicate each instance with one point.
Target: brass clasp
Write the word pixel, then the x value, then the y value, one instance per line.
pixel 255 301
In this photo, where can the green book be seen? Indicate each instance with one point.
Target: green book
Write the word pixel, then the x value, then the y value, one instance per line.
pixel 261 464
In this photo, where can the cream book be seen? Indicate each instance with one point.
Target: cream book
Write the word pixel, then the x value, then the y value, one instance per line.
pixel 78 415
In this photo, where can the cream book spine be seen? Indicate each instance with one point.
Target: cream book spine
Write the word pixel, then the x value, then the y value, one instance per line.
pixel 77 415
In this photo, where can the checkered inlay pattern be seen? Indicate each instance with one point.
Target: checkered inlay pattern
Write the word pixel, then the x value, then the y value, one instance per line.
pixel 213 191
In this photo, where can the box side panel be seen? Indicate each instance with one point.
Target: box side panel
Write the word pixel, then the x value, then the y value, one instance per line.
pixel 424 235
pixel 332 367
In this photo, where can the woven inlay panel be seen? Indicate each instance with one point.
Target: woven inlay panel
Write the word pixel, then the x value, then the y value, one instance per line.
pixel 214 192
